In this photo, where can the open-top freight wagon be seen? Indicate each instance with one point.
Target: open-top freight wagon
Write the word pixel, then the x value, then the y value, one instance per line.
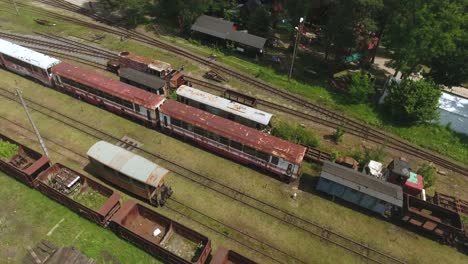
pixel 81 194
pixel 25 164
pixel 159 235
pixel 225 256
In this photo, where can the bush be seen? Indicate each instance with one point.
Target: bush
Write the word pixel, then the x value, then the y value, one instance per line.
pixel 334 155
pixel 360 87
pixel 364 155
pixel 427 171
pixel 7 150
pixel 412 102
pixel 295 133
pixel 337 137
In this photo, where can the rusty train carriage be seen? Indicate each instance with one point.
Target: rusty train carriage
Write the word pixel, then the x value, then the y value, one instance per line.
pixel 142 80
pixel 223 107
pixel 154 67
pixel 130 172
pixel 113 95
pixel 243 144
pixel 433 219
pixel 159 235
pixel 240 98
pixel 26 165
pixel 225 256
pixel 26 62
pixel 64 185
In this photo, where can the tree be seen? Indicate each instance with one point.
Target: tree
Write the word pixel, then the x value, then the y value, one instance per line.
pixel 259 22
pixel 411 102
pixel 423 30
pixel 360 87
pixel 427 171
pixel 134 11
pixel 182 12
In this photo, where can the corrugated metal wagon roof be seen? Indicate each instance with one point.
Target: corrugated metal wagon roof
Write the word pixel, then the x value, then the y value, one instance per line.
pixel 128 163
pixel 27 55
pixel 105 84
pixel 291 152
pixel 361 182
pixel 229 106
pixel 145 79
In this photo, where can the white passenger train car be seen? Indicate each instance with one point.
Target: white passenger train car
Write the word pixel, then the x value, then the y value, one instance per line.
pixel 27 62
pixel 220 106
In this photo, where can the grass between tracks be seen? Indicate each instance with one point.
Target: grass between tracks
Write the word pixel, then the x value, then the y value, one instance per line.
pixel 309 205
pixel 306 83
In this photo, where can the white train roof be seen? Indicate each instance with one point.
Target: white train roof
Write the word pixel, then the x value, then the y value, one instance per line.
pixel 27 55
pixel 129 164
pixel 244 111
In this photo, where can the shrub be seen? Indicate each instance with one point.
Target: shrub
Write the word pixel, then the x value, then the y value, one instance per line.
pixel 337 137
pixel 365 155
pixel 360 87
pixel 295 133
pixel 7 149
pixel 428 172
pixel 412 102
pixel 334 155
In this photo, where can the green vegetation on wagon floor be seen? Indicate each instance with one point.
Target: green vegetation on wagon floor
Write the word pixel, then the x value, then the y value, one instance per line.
pixel 7 150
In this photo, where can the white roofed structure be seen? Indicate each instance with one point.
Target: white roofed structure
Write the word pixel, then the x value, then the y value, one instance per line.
pixel 127 163
pixel 224 104
pixel 454 110
pixel 27 55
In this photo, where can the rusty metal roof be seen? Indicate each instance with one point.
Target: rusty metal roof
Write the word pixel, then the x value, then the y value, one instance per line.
pixel 27 55
pixel 229 106
pixel 291 152
pixel 361 182
pixel 105 84
pixel 152 64
pixel 128 163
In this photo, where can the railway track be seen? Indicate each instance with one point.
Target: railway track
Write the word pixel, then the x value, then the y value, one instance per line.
pixel 177 206
pixel 314 229
pixel 329 118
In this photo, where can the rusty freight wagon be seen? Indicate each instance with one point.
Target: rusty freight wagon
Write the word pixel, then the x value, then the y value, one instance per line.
pixel 433 219
pixel 160 236
pixel 225 256
pixel 21 162
pixel 130 172
pixel 81 194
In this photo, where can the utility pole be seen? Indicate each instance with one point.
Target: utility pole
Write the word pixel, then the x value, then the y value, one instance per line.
pixel 298 34
pixel 39 138
pixel 16 7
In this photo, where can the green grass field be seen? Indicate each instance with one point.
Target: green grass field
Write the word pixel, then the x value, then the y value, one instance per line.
pixel 309 205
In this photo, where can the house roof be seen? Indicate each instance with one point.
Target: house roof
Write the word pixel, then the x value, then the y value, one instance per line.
pixel 223 29
pixel 27 55
pixel 224 104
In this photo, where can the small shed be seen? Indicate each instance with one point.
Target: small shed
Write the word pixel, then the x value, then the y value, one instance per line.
pixel 223 30
pixel 453 110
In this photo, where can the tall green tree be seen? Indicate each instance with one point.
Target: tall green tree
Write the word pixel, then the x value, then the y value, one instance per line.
pixel 182 12
pixel 259 22
pixel 423 30
pixel 412 102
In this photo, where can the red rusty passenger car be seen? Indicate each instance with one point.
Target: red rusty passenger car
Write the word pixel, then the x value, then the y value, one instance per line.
pixel 115 96
pixel 25 165
pixel 230 139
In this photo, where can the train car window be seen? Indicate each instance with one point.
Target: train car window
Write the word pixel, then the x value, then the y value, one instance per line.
pixel 274 160
pixel 184 125
pixel 263 156
pixel 224 141
pixel 249 150
pixel 175 122
pixel 199 131
pixel 137 107
pixel 236 145
pixel 189 127
pixel 139 184
pixel 122 177
pixel 213 136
